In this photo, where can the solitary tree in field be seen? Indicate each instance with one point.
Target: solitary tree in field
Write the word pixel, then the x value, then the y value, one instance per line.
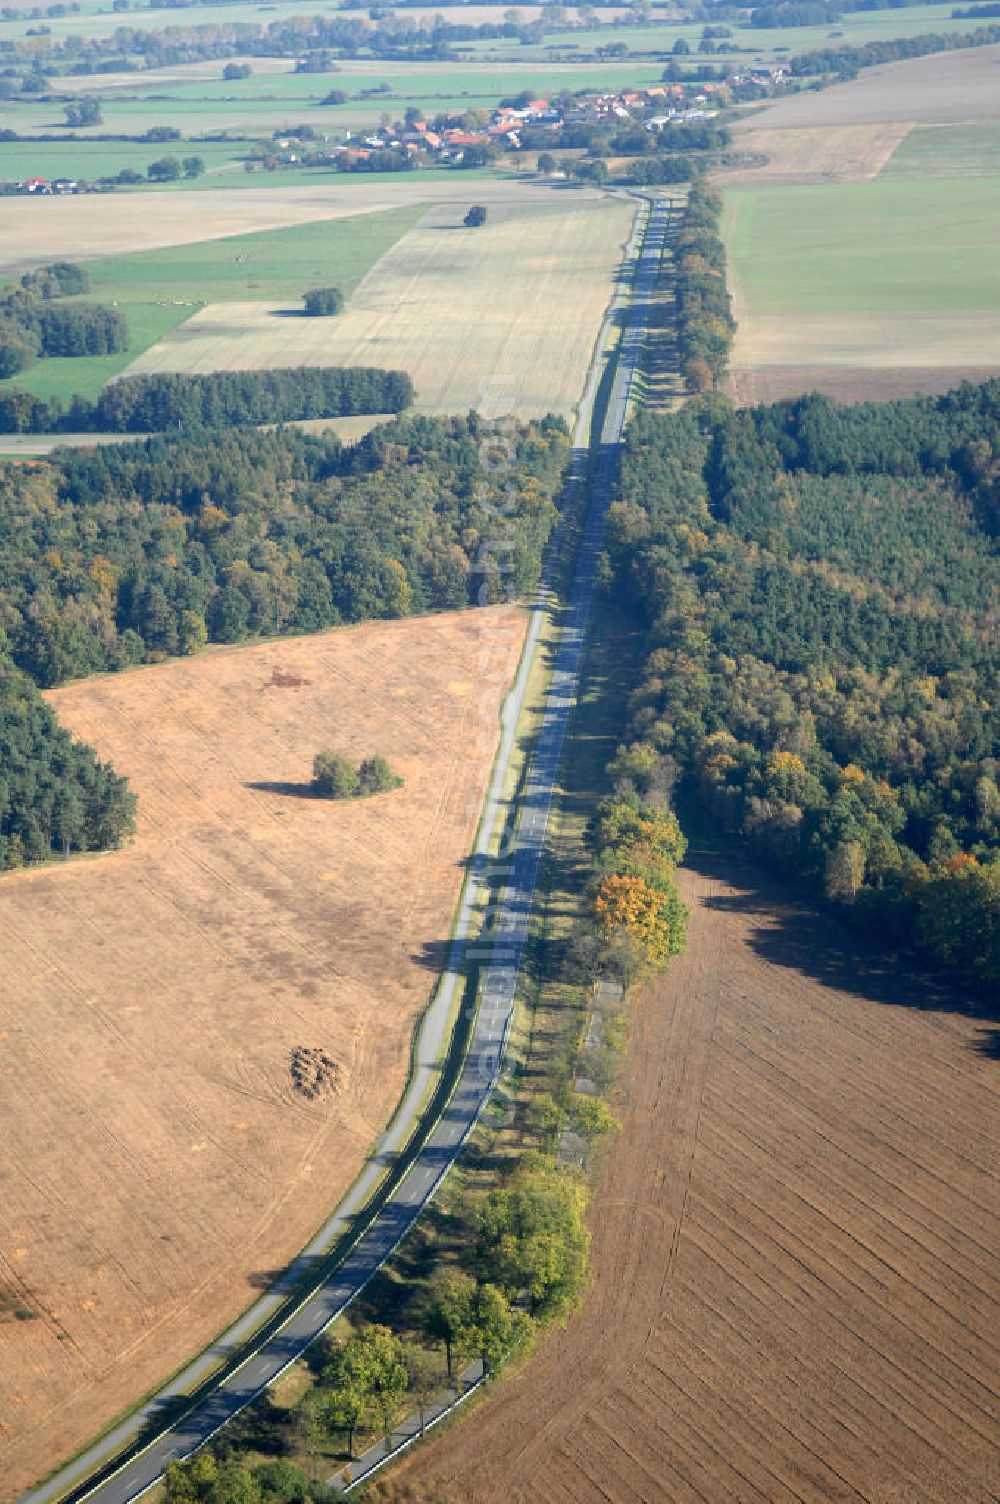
pixel 546 163
pixel 475 217
pixel 334 777
pixel 83 112
pixel 193 166
pixel 376 777
pixel 323 302
pixel 165 170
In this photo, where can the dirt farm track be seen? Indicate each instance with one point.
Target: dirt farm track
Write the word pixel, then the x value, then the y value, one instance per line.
pixel 795 1243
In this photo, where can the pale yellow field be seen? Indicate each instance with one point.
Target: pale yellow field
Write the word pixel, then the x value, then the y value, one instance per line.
pixel 818 154
pixel 502 318
pixel 946 86
pixel 158 1160
pixel 868 339
pixel 109 225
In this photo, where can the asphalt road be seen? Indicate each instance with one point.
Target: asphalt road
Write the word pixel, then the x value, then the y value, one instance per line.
pixel 521 859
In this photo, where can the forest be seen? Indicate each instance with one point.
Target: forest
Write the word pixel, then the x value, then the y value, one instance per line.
pixel 33 322
pixel 132 553
pixel 822 589
pixel 158 403
pixel 55 795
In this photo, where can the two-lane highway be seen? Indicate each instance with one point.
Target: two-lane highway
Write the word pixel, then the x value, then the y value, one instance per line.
pixel 92 1476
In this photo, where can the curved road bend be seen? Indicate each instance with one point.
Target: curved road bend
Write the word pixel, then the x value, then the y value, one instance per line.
pixel 93 1476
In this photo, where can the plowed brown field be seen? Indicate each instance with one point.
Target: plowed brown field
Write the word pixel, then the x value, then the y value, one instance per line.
pixel 796 1290
pixel 843 383
pixel 157 1157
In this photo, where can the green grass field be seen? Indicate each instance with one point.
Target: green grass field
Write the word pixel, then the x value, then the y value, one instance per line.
pixel 947 151
pixel 94 159
pixel 157 290
pixel 260 105
pixel 886 246
pixel 84 375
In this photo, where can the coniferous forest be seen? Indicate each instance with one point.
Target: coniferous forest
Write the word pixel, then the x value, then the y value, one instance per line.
pixel 822 588
pixel 131 553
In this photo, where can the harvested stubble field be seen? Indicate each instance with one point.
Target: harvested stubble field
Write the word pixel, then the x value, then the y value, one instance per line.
pixel 504 315
pixel 848 383
pixel 158 1159
pixel 943 86
pixel 818 154
pixel 120 222
pixel 796 1292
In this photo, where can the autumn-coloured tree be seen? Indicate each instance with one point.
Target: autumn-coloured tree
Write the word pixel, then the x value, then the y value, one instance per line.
pixel 629 903
pixel 698 376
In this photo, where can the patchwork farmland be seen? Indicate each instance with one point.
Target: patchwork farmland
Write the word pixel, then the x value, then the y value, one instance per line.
pixel 506 314
pixel 155 998
pixel 860 255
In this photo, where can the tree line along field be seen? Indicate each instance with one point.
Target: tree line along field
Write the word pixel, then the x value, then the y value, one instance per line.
pixel 98 19
pixel 160 1159
pixel 92 159
pixel 525 296
pixel 157 291
pixel 652 36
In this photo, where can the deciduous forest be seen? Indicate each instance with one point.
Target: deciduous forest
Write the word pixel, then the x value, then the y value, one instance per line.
pixel 129 554
pixel 822 587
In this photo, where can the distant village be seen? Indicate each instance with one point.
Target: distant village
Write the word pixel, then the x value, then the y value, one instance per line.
pixel 476 137
pixel 506 129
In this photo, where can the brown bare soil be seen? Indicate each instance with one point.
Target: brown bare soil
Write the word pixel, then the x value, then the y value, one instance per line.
pixel 943 86
pixel 952 341
pixel 796 1289
pixel 850 383
pixel 201 1036
pixel 832 154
